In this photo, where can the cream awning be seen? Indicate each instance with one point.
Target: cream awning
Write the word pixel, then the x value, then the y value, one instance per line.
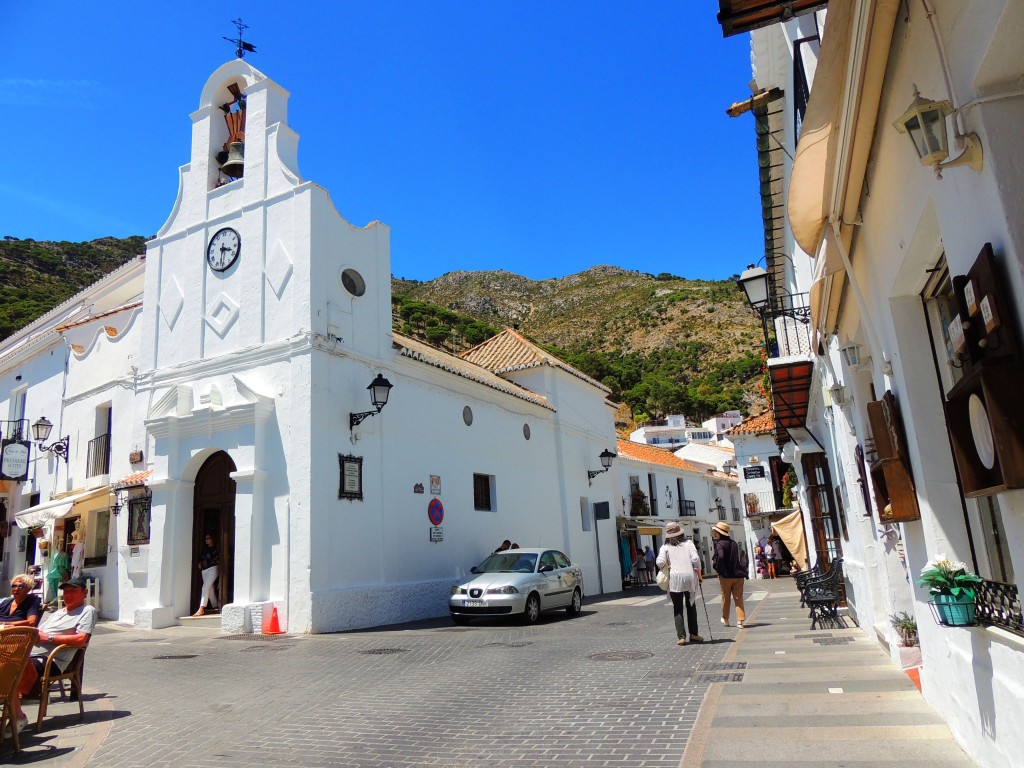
pixel 826 288
pixel 47 512
pixel 791 531
pixel 838 127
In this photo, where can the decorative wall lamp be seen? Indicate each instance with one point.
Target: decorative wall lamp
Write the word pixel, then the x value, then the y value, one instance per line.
pixel 606 458
pixel 121 499
pixel 379 388
pixel 851 354
pixel 41 431
pixel 925 123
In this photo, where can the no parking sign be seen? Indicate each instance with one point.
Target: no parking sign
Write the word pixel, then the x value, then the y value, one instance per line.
pixel 435 511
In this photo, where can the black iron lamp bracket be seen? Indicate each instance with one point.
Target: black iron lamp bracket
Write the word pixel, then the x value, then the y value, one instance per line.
pixel 58 448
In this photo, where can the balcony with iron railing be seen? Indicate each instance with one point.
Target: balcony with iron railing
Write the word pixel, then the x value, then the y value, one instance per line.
pixel 98 456
pixel 786 322
pixel 763 503
pixel 998 604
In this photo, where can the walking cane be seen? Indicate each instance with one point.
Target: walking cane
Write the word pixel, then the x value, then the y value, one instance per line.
pixel 701 588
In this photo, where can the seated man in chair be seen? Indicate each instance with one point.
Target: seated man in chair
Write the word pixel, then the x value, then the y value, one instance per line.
pixel 72 625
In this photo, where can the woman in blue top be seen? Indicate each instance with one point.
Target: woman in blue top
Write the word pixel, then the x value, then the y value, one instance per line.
pixel 22 608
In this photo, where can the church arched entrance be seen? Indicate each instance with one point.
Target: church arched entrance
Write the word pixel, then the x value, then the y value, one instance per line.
pixel 214 514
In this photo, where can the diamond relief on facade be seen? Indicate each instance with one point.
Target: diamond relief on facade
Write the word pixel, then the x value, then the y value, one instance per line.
pixel 222 315
pixel 279 268
pixel 171 302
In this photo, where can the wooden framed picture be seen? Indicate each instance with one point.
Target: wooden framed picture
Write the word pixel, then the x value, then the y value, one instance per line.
pixel 139 518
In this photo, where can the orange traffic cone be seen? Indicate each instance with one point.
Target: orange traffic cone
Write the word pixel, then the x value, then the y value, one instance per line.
pixel 274 627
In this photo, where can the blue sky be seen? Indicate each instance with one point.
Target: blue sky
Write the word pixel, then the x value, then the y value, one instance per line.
pixel 538 137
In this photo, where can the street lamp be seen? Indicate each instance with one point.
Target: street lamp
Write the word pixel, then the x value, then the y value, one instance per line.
pixel 606 458
pixel 41 431
pixel 754 282
pixel 379 388
pixel 925 123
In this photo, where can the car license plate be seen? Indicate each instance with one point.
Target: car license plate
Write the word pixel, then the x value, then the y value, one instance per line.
pixel 474 603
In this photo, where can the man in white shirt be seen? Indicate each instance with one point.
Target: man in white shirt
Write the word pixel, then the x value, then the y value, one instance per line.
pixel 72 625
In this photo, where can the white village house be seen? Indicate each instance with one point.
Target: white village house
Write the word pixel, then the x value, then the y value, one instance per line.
pixel 207 388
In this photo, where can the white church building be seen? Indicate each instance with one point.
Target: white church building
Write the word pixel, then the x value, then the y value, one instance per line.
pixel 209 387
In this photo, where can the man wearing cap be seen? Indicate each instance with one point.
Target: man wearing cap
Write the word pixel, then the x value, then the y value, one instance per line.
pixel 731 573
pixel 684 579
pixel 72 625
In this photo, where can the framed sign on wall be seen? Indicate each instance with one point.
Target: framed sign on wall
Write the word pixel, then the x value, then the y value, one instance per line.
pixel 350 484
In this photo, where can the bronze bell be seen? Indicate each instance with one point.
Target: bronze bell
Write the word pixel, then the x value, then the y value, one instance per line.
pixel 234 166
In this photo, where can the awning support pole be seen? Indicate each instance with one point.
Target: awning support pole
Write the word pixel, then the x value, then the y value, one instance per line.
pixel 865 316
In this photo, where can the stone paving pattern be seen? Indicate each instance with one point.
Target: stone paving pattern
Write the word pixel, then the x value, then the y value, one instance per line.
pixel 499 695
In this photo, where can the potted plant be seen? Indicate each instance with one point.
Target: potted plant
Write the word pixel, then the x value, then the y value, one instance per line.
pixel 906 626
pixel 953 588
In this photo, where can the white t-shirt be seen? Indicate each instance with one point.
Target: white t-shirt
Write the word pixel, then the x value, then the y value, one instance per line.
pixel 65 622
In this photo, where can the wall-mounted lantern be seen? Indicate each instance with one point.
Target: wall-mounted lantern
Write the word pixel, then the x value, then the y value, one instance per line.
pixel 606 458
pixel 41 431
pixel 925 123
pixel 380 389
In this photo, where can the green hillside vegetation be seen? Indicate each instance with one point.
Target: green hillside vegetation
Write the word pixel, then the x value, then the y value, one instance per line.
pixel 663 344
pixel 37 276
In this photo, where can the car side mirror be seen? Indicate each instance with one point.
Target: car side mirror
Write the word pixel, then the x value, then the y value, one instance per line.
pixel 545 569
pixel 473 569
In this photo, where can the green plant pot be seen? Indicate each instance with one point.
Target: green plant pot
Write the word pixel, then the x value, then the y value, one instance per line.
pixel 954 611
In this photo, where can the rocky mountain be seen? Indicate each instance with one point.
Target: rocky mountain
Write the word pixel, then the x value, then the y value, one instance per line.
pixel 662 343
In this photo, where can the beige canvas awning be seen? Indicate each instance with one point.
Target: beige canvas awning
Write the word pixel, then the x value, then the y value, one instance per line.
pixel 48 511
pixel 791 530
pixel 838 127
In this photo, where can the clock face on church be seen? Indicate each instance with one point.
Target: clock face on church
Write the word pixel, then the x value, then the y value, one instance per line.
pixel 224 249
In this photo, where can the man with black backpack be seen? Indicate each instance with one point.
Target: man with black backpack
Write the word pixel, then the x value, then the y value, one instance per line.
pixel 731 572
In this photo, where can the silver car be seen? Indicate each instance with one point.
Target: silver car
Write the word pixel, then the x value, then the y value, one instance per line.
pixel 520 582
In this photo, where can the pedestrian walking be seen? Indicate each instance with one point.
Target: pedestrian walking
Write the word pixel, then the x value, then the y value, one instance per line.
pixel 649 558
pixel 769 558
pixel 731 573
pixel 683 581
pixel 209 561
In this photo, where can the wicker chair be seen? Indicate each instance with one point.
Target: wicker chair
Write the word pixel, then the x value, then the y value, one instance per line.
pixel 15 646
pixel 52 674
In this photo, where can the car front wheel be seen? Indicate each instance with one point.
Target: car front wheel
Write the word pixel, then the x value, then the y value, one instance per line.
pixel 532 611
pixel 576 605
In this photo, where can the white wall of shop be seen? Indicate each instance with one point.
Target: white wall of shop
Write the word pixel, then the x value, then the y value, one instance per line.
pixel 910 219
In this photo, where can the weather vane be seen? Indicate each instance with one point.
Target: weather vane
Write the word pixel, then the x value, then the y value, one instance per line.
pixel 241 47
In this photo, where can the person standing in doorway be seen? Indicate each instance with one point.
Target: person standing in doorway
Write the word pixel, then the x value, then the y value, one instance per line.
pixel 731 574
pixel 684 578
pixel 209 560
pixel 649 558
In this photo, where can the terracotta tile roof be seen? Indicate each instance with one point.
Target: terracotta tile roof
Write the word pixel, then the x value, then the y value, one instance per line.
pixel 654 455
pixel 762 424
pixel 467 369
pixel 509 351
pixel 134 479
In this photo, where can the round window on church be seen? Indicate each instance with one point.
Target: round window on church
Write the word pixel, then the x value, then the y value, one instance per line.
pixel 526 431
pixel 353 282
pixel 467 415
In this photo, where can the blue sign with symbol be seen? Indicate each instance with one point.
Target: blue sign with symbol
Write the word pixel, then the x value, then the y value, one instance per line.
pixel 435 511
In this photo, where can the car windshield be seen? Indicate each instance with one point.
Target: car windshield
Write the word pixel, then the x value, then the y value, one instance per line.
pixel 501 562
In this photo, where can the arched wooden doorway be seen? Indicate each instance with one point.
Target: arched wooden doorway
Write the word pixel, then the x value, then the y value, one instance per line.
pixel 213 512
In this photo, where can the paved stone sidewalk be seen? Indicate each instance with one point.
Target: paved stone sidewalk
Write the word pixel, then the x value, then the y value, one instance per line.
pixel 824 699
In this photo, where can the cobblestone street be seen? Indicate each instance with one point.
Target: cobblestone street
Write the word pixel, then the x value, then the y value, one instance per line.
pixel 608 688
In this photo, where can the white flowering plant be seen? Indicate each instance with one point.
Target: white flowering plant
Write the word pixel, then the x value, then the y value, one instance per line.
pixel 943 576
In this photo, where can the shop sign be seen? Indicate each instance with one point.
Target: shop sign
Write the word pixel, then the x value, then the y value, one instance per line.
pixel 752 473
pixel 14 460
